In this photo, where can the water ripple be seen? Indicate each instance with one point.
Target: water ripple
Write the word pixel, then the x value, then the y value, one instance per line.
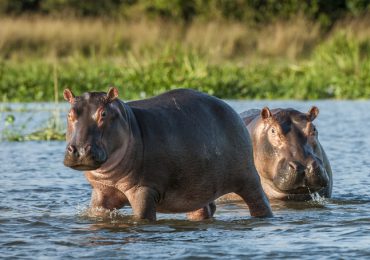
pixel 44 207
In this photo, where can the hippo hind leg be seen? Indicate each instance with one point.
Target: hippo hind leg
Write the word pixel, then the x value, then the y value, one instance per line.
pixel 201 214
pixel 257 202
pixel 256 199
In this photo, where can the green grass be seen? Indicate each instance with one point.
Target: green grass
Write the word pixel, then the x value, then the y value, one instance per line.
pixel 338 68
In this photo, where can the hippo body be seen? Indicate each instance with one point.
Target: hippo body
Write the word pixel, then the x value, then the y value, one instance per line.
pixel 176 152
pixel 288 156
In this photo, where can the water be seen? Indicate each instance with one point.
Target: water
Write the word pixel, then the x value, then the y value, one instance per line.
pixel 43 205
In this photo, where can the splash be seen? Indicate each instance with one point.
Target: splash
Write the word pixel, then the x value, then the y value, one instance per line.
pixel 98 213
pixel 317 199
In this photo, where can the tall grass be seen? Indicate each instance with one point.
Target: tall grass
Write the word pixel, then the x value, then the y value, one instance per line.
pixel 338 68
pixel 287 59
pixel 44 36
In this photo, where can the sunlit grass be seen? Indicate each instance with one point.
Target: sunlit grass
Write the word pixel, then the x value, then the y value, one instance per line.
pixel 338 68
pixel 219 40
pixel 288 59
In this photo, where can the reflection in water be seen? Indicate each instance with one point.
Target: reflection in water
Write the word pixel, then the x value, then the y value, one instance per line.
pixel 44 212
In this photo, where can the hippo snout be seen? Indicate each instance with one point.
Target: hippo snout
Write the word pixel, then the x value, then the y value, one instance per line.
pixel 87 157
pixel 289 175
pixel 296 167
pixel 75 152
pixel 295 176
pixel 316 176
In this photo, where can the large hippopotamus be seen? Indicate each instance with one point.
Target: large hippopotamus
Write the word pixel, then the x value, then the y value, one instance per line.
pixel 176 152
pixel 288 156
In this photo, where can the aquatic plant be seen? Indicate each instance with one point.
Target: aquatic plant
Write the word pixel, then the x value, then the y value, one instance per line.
pixel 52 129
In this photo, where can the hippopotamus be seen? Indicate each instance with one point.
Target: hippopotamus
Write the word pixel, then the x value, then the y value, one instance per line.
pixel 287 153
pixel 176 152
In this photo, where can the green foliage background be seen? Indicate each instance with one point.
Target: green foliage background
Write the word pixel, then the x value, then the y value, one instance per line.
pixel 326 11
pixel 333 64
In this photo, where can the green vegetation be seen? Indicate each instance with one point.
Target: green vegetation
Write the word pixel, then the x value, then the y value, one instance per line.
pixel 326 12
pixel 338 68
pixel 49 133
pixel 231 49
pixel 52 130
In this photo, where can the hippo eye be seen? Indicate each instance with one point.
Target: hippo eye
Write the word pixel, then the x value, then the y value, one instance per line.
pixel 273 131
pixel 71 115
pixel 313 131
pixel 103 114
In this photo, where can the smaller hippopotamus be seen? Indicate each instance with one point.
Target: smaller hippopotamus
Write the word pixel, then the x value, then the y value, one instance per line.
pixel 287 153
pixel 173 153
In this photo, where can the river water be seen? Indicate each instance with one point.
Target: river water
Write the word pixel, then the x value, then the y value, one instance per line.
pixel 44 205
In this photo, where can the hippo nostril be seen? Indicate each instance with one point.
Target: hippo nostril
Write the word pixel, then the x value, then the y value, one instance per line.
pixel 72 150
pixel 312 165
pixel 293 166
pixel 87 149
pixel 296 166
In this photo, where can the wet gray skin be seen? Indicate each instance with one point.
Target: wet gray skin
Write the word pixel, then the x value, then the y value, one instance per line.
pixel 176 152
pixel 288 156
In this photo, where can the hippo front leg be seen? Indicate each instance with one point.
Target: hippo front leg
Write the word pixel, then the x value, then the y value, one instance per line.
pixel 143 202
pixel 106 199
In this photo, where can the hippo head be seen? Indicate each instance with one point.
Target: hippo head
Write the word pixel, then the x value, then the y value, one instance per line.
pixel 91 126
pixel 287 153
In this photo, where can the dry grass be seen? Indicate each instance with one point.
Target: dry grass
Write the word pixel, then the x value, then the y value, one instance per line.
pixel 289 39
pixel 44 36
pixel 355 28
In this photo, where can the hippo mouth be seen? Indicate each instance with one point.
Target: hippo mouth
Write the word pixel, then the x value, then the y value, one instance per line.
pixel 295 184
pixel 82 166
pixel 304 190
pixel 300 190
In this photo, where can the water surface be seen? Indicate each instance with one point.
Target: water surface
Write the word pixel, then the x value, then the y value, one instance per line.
pixel 43 205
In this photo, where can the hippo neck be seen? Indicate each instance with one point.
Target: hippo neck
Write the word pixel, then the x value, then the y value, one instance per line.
pixel 126 159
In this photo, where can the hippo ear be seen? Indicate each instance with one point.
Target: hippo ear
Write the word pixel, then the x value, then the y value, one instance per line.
pixel 265 113
pixel 312 113
pixel 68 95
pixel 112 94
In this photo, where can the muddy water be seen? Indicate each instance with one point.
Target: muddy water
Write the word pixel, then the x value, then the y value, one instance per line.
pixel 43 205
